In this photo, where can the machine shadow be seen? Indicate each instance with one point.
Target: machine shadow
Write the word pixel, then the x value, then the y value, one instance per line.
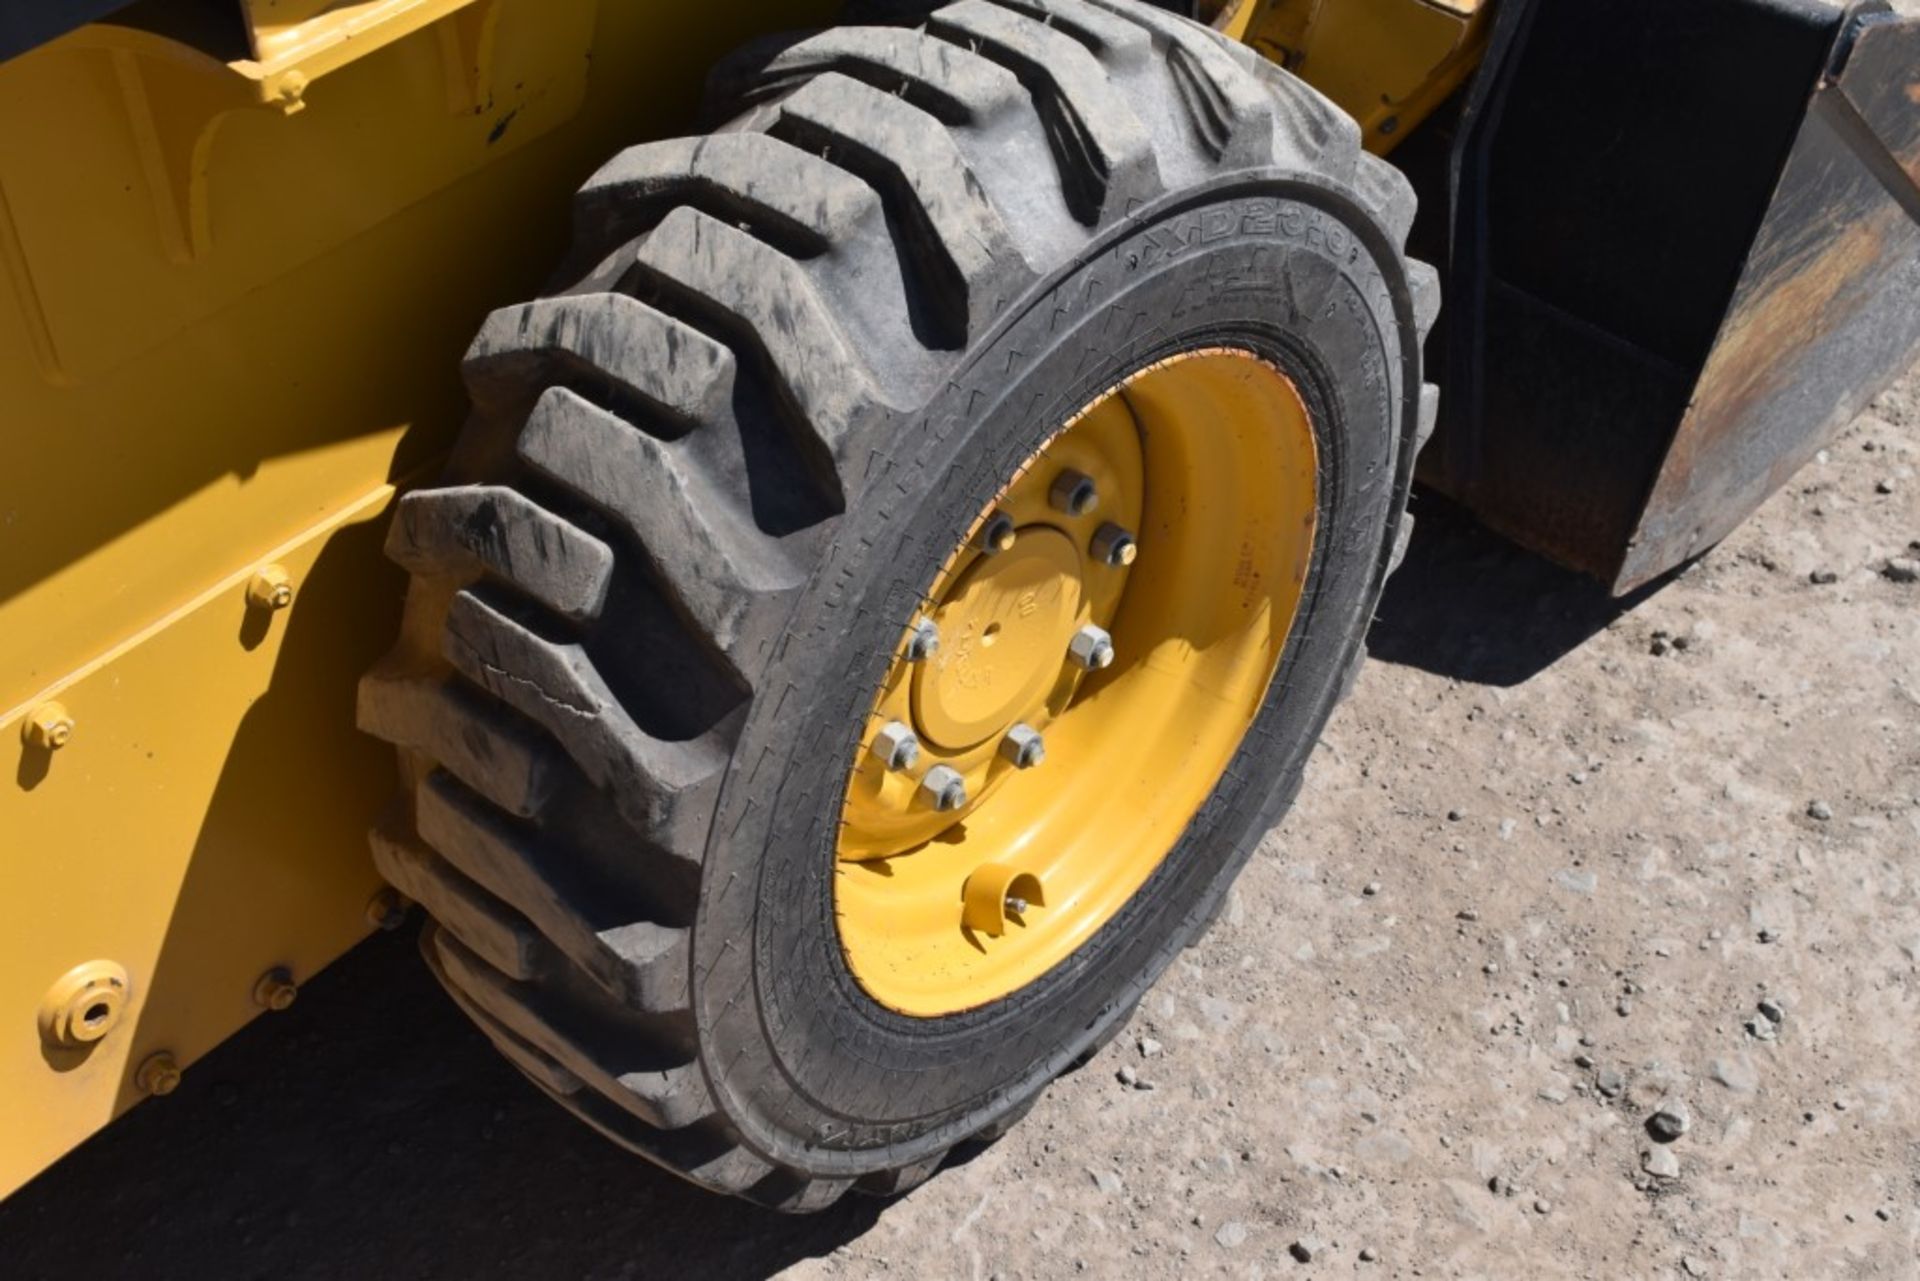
pixel 1469 605
pixel 371 1131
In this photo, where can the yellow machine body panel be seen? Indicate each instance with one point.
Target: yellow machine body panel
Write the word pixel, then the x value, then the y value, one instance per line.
pixel 233 299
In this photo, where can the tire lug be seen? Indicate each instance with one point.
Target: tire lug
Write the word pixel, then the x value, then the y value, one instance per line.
pixel 1091 648
pixel 1023 746
pixel 1073 492
pixel 943 788
pixel 997 535
pixel 1114 546
pixel 895 746
pixel 923 638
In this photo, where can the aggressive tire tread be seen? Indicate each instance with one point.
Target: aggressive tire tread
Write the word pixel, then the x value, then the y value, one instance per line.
pixel 495 530
pixel 965 258
pixel 1105 157
pixel 954 86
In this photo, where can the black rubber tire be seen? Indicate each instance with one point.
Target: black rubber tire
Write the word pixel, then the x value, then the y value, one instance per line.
pixel 705 480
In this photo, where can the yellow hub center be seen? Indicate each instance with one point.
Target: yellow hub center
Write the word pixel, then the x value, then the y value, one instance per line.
pixel 1002 633
pixel 1042 786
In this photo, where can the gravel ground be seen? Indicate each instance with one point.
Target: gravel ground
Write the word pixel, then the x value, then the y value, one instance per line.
pixel 1569 876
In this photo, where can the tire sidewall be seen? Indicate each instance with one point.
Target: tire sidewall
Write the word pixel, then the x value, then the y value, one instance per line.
pixel 813 1072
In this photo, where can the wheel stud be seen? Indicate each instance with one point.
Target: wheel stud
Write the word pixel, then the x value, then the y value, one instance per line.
pixel 895 746
pixel 1073 493
pixel 1023 747
pixel 1114 546
pixel 922 640
pixel 1016 906
pixel 996 535
pixel 943 788
pixel 1091 648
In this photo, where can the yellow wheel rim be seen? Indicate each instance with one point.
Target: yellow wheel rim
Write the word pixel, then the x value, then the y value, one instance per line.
pixel 1010 793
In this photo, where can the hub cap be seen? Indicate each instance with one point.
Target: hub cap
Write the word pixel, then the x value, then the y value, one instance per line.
pixel 1205 465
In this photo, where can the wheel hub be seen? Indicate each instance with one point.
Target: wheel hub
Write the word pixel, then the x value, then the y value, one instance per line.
pixel 1107 630
pixel 1004 626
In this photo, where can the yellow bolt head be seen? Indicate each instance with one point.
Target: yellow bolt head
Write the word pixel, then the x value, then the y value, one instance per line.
pixel 48 726
pixel 275 989
pixel 271 588
pixel 160 1074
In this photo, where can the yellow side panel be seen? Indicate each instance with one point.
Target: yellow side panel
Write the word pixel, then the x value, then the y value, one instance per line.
pixel 230 322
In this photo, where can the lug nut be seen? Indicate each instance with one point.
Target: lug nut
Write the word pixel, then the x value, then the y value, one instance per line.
pixel 1023 747
pixel 275 989
pixel 943 788
pixel 1091 648
pixel 159 1074
pixel 270 588
pixel 923 638
pixel 895 746
pixel 1016 906
pixel 1114 546
pixel 1073 493
pixel 48 727
pixel 997 535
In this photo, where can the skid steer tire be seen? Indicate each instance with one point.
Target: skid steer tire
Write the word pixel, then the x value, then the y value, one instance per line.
pixel 706 478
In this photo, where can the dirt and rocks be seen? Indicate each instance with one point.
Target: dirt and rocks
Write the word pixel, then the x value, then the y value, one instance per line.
pixel 1592 948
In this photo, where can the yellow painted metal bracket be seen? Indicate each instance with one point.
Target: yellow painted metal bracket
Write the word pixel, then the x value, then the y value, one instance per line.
pixel 195 839
pixel 1387 63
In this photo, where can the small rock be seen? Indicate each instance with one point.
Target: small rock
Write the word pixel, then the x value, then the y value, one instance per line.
pixel 1466 914
pixel 1822 577
pixel 1768 934
pixel 1883 1214
pixel 1231 1235
pixel 1819 811
pixel 1661 1163
pixel 1883 486
pixel 1660 644
pixel 1902 569
pixel 1583 1060
pixel 1370 889
pixel 1623 1007
pixel 1305 1248
pixel 1498 1185
pixel 1454 816
pixel 1150 1048
pixel 1542 1206
pixel 1127 1076
pixel 1772 1010
pixel 1609 1082
pixel 1578 881
pixel 1736 1073
pixel 1692 1266
pixel 1368 1254
pixel 1762 1029
pixel 1107 1181
pixel 1491 967
pixel 1669 1121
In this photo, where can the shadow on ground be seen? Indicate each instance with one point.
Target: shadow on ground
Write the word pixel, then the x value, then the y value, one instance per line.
pixel 1470 605
pixel 370 1131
